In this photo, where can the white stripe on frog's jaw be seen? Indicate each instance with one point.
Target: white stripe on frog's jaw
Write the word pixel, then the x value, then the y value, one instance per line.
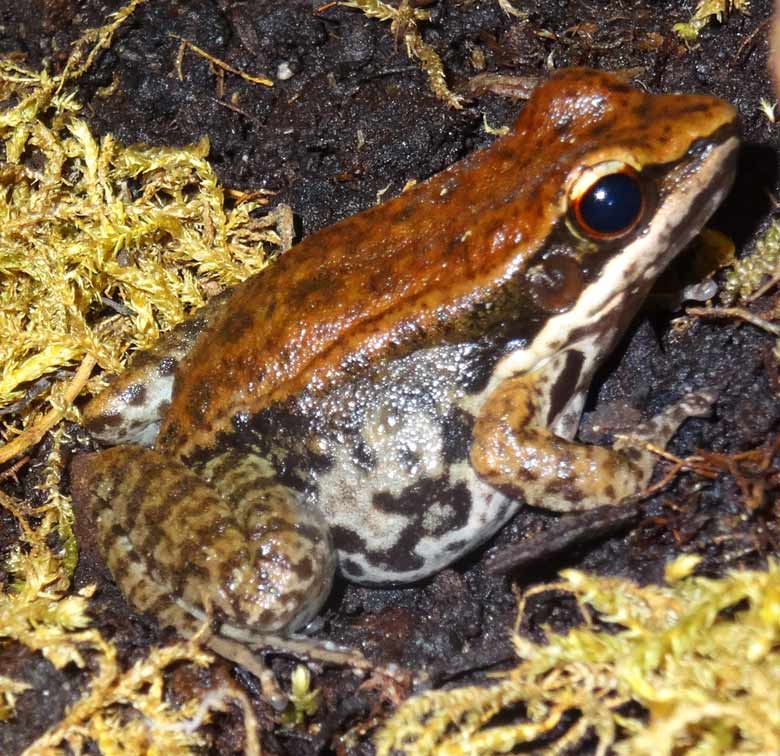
pixel 606 306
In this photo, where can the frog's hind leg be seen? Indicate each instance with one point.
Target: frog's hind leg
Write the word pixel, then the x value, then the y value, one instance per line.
pixel 191 552
pixel 250 483
pixel 517 450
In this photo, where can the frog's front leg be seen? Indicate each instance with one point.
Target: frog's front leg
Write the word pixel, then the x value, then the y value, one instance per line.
pixel 516 450
pixel 234 547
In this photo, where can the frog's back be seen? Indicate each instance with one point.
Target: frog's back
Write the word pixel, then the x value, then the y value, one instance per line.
pixel 417 269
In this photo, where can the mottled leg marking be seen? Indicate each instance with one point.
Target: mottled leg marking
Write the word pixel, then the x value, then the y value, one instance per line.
pixel 291 543
pixel 249 482
pixel 236 547
pixel 181 550
pixel 515 451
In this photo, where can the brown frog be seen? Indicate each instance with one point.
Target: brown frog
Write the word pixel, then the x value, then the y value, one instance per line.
pixel 383 398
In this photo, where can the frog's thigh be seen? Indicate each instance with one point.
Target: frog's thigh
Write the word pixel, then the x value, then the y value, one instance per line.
pixel 515 450
pixel 178 547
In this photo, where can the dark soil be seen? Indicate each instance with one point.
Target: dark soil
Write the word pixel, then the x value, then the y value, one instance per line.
pixel 300 139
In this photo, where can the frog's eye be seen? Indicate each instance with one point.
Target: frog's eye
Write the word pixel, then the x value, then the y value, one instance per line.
pixel 607 200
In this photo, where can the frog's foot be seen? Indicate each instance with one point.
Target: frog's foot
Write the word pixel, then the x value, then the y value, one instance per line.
pixel 238 645
pixel 515 450
pixel 242 655
pixel 658 431
pixel 314 650
pixel 577 529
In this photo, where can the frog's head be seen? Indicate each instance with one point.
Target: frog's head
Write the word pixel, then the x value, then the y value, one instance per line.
pixel 622 180
pixel 628 179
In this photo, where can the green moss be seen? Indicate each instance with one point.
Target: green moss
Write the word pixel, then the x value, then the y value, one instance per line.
pixel 701 657
pixel 86 267
pixel 751 273
pixel 705 11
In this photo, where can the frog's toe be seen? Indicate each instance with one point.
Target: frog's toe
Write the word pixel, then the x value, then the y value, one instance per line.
pixel 660 429
pixel 699 403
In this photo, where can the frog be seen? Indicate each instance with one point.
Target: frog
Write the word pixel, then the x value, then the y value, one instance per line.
pixel 384 397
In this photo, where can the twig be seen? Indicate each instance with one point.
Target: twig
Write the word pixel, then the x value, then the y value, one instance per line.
pixel 185 43
pixel 236 109
pixel 750 38
pixel 11 471
pixel 735 312
pixel 764 289
pixel 32 435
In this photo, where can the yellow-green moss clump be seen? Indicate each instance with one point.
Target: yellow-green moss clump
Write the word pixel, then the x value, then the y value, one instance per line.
pixel 701 656
pixel 707 10
pixel 753 274
pixel 102 246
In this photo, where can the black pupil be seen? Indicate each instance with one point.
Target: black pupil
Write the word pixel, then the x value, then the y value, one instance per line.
pixel 612 204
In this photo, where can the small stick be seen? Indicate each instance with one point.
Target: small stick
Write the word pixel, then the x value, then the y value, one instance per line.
pixel 735 312
pixel 32 435
pixel 215 62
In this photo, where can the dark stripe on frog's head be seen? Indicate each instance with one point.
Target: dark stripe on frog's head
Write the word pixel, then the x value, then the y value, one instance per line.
pixel 616 277
pixel 568 269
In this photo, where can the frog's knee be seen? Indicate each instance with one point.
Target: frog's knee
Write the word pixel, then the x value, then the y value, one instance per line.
pixel 301 584
pixel 292 554
pixel 290 557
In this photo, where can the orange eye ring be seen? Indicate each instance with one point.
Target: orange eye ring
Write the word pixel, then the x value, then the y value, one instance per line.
pixel 607 201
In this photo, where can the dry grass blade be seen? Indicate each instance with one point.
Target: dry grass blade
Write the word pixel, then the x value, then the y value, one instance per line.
pixel 217 62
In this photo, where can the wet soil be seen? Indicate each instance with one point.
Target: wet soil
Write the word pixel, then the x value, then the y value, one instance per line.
pixel 350 116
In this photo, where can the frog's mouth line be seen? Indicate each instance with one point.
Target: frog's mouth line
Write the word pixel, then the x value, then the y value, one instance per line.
pixel 607 305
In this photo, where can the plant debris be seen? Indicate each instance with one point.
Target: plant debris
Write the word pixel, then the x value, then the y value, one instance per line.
pixel 403 25
pixel 705 10
pixel 303 700
pixel 510 10
pixel 215 62
pixel 736 312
